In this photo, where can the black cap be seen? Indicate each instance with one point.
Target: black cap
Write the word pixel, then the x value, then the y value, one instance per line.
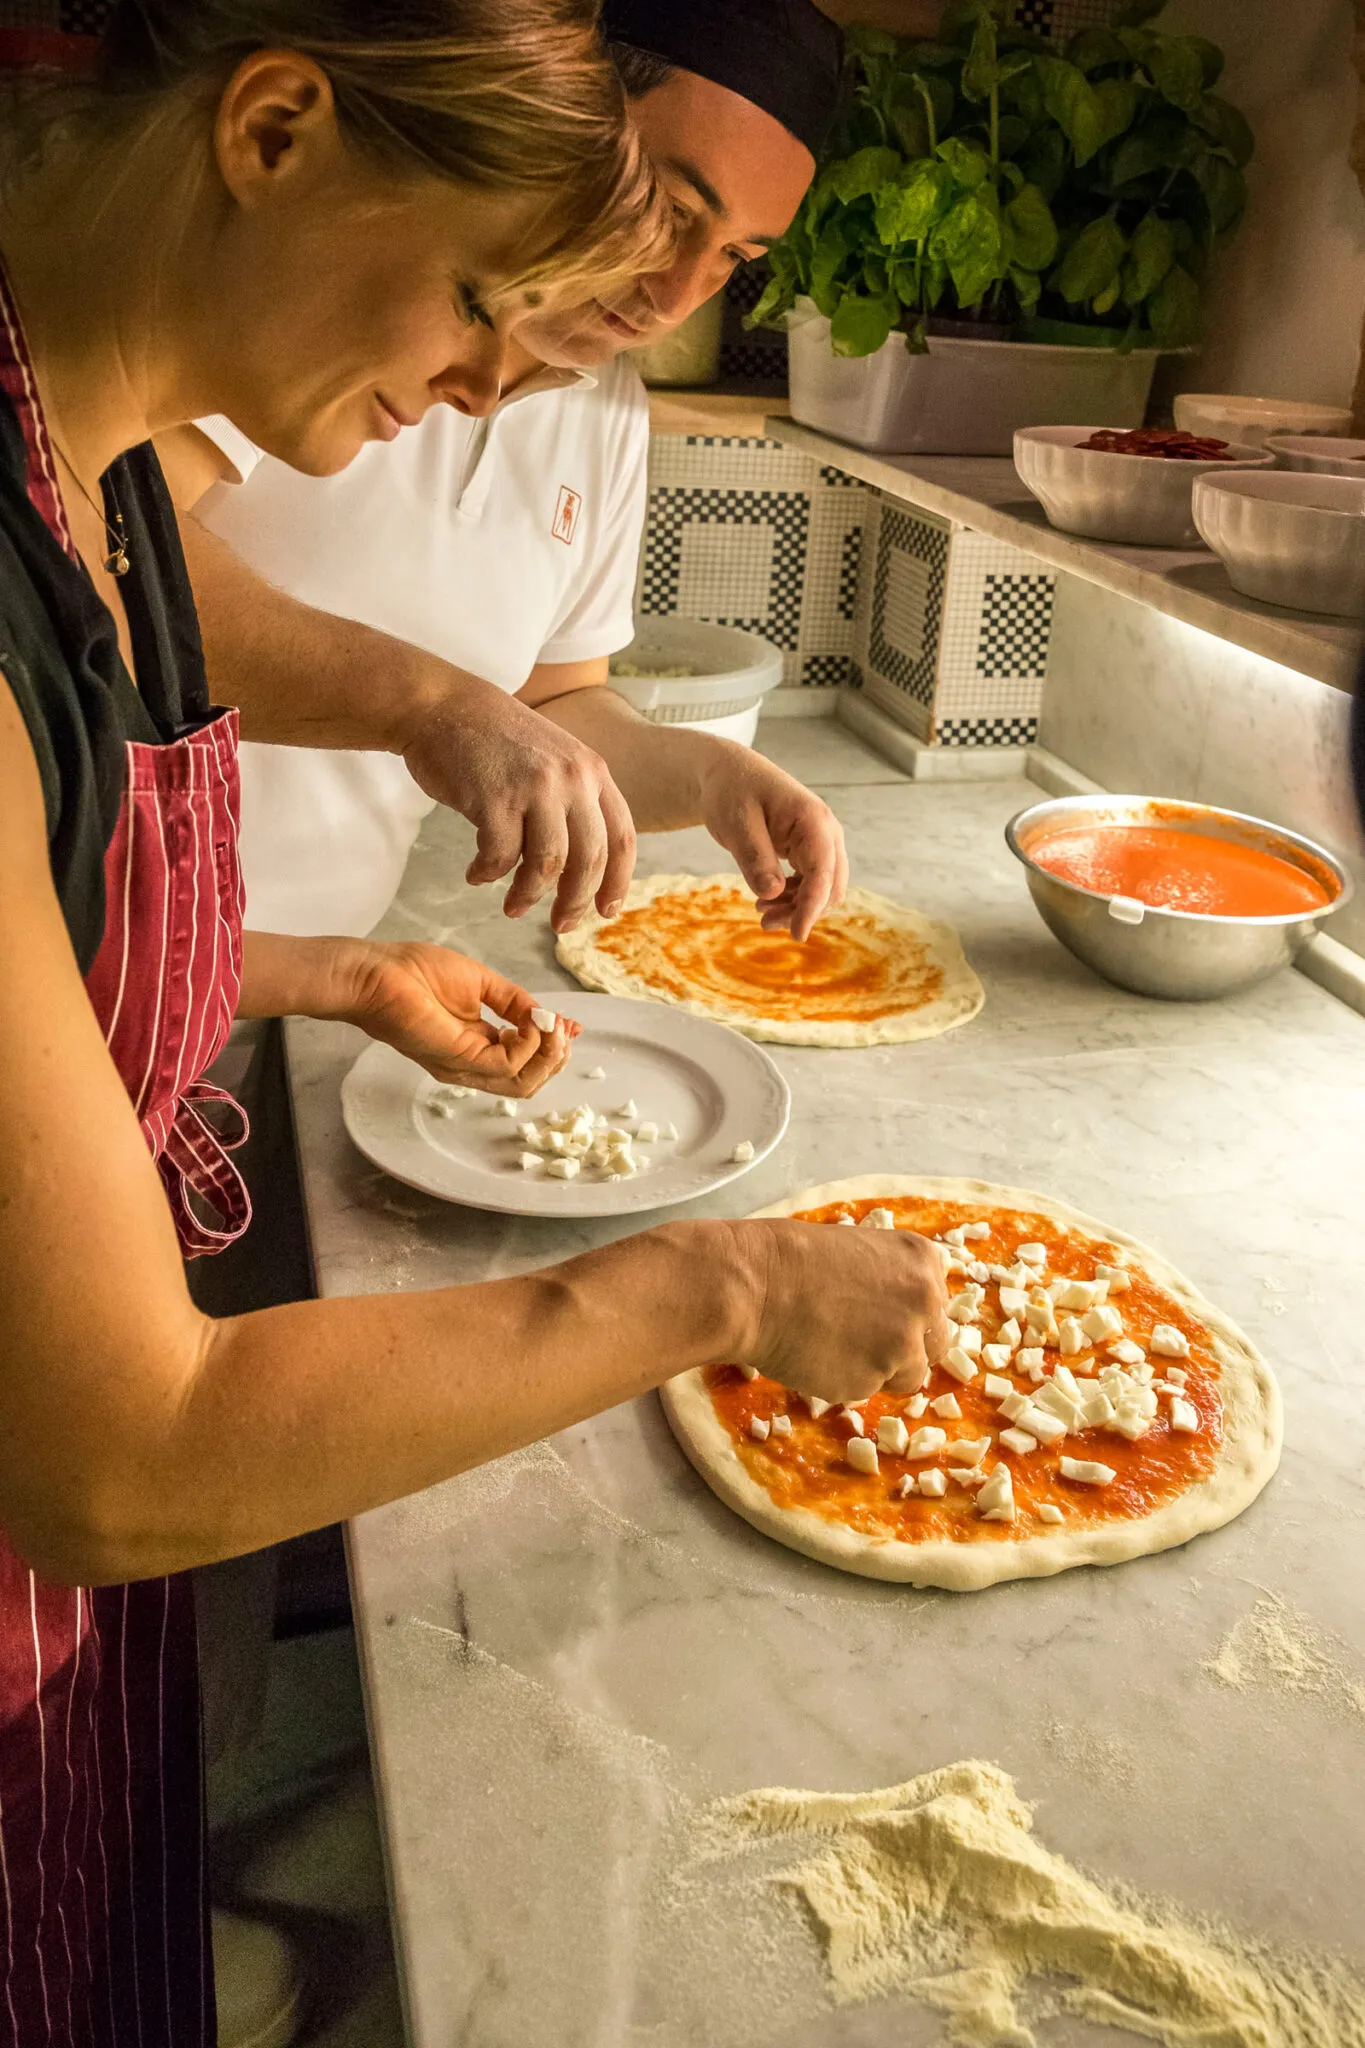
pixel 784 55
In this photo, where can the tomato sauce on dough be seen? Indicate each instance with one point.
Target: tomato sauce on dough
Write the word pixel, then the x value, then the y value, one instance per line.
pixel 1172 869
pixel 810 1469
pixel 709 942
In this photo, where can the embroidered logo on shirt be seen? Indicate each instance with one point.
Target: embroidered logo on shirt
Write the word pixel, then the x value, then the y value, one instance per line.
pixel 567 509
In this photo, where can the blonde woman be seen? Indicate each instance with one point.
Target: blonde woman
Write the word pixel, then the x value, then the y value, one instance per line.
pixel 262 212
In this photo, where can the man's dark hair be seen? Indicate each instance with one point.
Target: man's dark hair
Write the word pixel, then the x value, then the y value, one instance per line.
pixel 639 71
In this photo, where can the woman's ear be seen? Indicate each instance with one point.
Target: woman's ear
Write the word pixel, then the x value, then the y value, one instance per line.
pixel 276 122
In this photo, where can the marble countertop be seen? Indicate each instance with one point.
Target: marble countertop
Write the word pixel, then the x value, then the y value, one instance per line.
pixel 563 1651
pixel 984 493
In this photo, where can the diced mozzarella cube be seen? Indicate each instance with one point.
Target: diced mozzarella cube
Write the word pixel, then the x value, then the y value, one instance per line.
pixel 966 1475
pixel 669 1132
pixel 1085 1472
pixel 978 1271
pixel 627 1109
pixel 1176 1375
pixel 759 1427
pixel 816 1405
pixel 904 1486
pixel 1168 1342
pixel 997 1386
pixel 916 1406
pixel 1119 1280
pixel 1073 1294
pixel 1097 1408
pixel 1064 1378
pixel 529 1161
pixel 968 1450
pixel 960 1364
pixel 948 1406
pixel 997 1357
pixel 742 1153
pixel 1184 1415
pixel 965 1307
pixel 1021 1275
pixel 976 1231
pixel 1102 1322
pixel 854 1421
pixel 648 1134
pixel 595 1074
pixel 1071 1338
pixel 1041 1326
pixel 956 1236
pixel 1029 1359
pixel 528 1133
pixel 1018 1440
pixel 506 1106
pixel 926 1443
pixel 620 1165
pixel 1010 1334
pixel 1132 1423
pixel 969 1337
pixel 1048 1513
pixel 438 1106
pixel 1127 1352
pixel 544 1020
pixel 563 1169
pixel 782 1425
pixel 1031 1254
pixel 554 1141
pixel 845 1219
pixel 892 1436
pixel 861 1453
pixel 932 1484
pixel 748 1372
pixel 1048 1428
pixel 1013 1301
pixel 1014 1405
pixel 879 1219
pixel 995 1502
pixel 1054 1400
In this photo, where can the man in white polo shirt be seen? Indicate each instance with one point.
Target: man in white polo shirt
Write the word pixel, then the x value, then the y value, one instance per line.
pixel 501 535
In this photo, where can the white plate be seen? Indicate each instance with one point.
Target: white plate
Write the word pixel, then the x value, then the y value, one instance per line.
pixel 717 1087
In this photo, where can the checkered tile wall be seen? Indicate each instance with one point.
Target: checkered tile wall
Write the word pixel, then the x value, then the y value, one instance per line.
pixel 752 534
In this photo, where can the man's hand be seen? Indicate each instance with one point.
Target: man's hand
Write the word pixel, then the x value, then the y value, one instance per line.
pixel 542 802
pixel 426 1001
pixel 763 817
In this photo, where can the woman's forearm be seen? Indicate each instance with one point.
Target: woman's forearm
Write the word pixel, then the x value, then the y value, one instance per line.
pixel 312 1413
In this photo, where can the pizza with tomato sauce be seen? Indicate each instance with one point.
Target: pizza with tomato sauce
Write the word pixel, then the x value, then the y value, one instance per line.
pixel 872 972
pixel 1093 1406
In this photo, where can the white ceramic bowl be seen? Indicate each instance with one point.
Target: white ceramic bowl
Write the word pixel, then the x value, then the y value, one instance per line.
pixel 1288 539
pixel 1318 454
pixel 1250 419
pixel 1144 500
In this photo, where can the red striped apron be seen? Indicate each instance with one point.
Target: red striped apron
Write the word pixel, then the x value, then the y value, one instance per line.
pixel 103 1912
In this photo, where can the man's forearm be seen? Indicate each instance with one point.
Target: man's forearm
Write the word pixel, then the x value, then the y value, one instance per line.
pixel 302 677
pixel 658 770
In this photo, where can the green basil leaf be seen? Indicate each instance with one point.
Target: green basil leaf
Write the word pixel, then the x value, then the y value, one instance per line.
pixel 909 210
pixel 1091 48
pixel 831 253
pixel 1013 133
pixel 969 242
pixel 979 74
pixel 1173 309
pixel 1151 252
pixel 916 339
pixel 1033 231
pixel 1105 301
pixel 1225 125
pixel 1118 100
pixel 1044 161
pixel 1176 69
pixel 870 42
pixel 1162 142
pixel 776 298
pixel 1225 192
pixel 968 161
pixel 1070 99
pixel 1025 94
pixel 1028 287
pixel 864 173
pixel 1139 11
pixel 860 326
pixel 1092 262
pixel 1211 58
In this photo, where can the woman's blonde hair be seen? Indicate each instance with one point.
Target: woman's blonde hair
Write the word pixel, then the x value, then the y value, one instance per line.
pixel 506 95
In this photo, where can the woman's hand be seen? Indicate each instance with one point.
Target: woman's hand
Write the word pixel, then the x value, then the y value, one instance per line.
pixel 842 1313
pixel 426 1001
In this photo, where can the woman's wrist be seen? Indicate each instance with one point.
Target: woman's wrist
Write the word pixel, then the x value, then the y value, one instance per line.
pixel 286 976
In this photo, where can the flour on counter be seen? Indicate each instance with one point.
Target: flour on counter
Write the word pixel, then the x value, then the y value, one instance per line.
pixel 937 1889
pixel 1275 1646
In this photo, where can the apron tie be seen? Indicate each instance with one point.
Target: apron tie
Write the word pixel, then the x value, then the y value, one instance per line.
pixel 198 1174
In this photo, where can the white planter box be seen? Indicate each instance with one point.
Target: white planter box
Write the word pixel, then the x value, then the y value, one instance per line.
pixel 964 397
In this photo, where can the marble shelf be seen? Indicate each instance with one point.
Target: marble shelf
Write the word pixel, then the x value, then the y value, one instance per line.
pixel 985 494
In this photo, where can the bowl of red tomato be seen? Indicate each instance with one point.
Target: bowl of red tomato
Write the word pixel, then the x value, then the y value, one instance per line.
pixel 1132 487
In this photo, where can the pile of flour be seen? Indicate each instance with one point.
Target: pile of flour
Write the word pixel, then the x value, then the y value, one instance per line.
pixel 1274 1646
pixel 937 1889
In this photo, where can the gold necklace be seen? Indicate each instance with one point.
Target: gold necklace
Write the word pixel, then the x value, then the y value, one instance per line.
pixel 116 562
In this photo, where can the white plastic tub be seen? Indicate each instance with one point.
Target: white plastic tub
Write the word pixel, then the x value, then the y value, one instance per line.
pixel 732 672
pixel 964 397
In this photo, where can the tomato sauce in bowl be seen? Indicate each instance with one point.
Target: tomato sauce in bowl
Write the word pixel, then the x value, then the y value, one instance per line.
pixel 1170 868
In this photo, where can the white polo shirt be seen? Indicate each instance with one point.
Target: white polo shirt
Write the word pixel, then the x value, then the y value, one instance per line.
pixel 495 543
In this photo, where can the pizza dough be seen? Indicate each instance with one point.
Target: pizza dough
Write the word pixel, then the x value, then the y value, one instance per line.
pixel 1234 1381
pixel 871 973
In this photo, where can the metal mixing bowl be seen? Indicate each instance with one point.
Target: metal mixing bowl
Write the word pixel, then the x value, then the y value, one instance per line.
pixel 1178 954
